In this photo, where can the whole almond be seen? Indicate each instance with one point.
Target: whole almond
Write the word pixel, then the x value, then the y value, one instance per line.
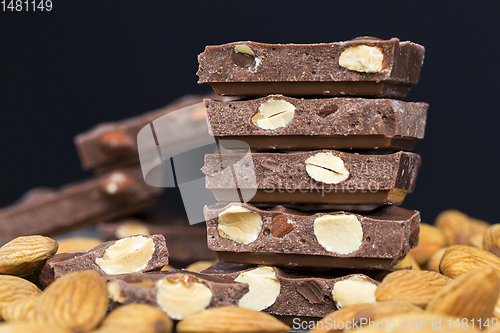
pixel 460 259
pixel 77 244
pixel 380 310
pixel 78 301
pixel 229 319
pixel 435 260
pixel 430 240
pixel 415 287
pixel 29 327
pixel 336 321
pixel 408 262
pixel 491 239
pixel 138 318
pixel 20 310
pixel 13 288
pixel 472 295
pixel 23 255
pixel 421 322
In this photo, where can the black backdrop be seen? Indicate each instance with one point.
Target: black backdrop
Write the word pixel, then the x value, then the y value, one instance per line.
pixel 85 62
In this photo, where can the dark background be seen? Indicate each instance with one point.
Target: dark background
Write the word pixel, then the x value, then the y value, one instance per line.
pixel 85 62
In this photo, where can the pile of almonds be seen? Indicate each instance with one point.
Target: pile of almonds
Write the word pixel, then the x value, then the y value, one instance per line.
pixel 453 275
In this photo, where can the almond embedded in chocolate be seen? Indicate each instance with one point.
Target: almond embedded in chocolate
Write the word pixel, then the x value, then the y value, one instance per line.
pixel 281 226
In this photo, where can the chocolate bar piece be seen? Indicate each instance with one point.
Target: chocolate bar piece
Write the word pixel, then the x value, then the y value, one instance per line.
pixel 314 177
pixel 114 145
pixel 289 293
pixel 242 233
pixel 134 254
pixel 281 122
pixel 187 243
pixel 364 66
pixel 178 293
pixel 51 212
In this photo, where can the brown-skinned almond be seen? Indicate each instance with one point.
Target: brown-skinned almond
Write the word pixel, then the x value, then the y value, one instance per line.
pixel 408 262
pixel 24 255
pixel 380 310
pixel 472 295
pixel 491 239
pixel 229 319
pixel 460 259
pixel 455 226
pixel 336 321
pixel 78 301
pixel 77 244
pixel 415 287
pixel 13 288
pixel 20 310
pixel 137 318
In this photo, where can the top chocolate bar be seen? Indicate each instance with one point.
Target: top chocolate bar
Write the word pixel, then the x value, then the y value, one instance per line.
pixel 364 66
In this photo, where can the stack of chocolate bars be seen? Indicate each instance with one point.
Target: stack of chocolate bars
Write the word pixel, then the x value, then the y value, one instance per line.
pixel 314 197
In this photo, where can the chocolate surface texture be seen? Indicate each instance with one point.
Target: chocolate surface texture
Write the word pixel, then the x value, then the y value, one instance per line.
pixel 309 69
pixel 342 123
pixel 114 145
pixel 51 212
pixel 288 237
pixel 187 243
pixel 300 295
pixel 64 263
pixel 142 288
pixel 283 178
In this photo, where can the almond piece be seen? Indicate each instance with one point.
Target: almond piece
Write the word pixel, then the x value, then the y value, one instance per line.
pixel 13 288
pixel 77 244
pixel 491 240
pixel 476 231
pixel 230 320
pixel 472 295
pixel 408 263
pixel 455 226
pixel 337 320
pixel 23 255
pixel 142 318
pixel 460 259
pixel 264 288
pixel 357 289
pixel 415 287
pixel 435 260
pixel 430 240
pixel 20 310
pixel 78 301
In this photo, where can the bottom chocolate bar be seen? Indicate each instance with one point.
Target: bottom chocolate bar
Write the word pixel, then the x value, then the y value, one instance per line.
pixel 289 293
pixel 178 293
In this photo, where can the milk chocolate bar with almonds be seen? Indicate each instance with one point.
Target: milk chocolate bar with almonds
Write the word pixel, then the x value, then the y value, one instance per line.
pixel 187 243
pixel 313 177
pixel 114 145
pixel 293 293
pixel 242 233
pixel 178 293
pixel 51 212
pixel 280 122
pixel 364 66
pixel 134 254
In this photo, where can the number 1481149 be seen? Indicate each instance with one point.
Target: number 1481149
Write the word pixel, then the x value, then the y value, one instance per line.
pixel 26 5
